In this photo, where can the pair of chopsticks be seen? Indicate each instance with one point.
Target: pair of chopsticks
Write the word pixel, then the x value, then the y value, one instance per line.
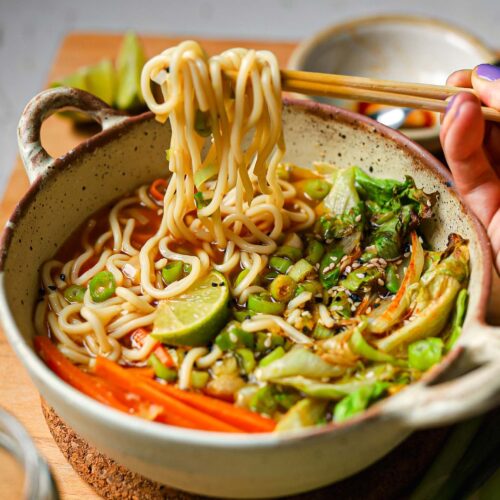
pixel 410 95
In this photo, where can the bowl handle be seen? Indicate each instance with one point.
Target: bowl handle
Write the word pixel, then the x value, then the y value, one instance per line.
pixel 474 386
pixel 35 158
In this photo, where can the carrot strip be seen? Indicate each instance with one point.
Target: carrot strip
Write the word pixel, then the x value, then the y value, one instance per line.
pixel 73 375
pixel 163 355
pixel 143 372
pixel 239 417
pixel 158 188
pixel 174 408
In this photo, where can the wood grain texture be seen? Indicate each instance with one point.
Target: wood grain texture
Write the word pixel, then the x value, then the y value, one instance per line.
pixel 17 393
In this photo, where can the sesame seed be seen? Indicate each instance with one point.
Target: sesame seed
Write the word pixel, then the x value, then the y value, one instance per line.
pixel 267 342
pixel 406 254
pixel 348 269
pixel 356 265
pixel 360 275
pixel 358 218
pixel 233 338
pixel 353 308
pixel 333 258
pixel 380 282
pixel 368 310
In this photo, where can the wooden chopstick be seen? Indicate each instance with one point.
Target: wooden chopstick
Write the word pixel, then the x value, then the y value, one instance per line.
pixel 402 94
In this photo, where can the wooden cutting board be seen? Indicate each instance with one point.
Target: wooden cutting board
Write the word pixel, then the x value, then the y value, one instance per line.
pixel 17 393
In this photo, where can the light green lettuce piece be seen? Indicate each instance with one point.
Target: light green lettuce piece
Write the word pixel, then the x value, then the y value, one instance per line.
pixel 299 361
pixel 305 413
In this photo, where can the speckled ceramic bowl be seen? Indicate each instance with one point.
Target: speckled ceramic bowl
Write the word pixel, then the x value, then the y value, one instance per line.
pixel 395 47
pixel 131 151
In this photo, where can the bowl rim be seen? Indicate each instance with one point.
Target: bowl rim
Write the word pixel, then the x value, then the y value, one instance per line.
pixel 128 423
pixel 303 49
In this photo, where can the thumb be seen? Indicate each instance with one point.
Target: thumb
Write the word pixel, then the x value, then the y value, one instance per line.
pixel 462 136
pixel 486 81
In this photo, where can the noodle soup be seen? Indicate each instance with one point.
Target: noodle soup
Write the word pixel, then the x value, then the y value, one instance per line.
pixel 242 294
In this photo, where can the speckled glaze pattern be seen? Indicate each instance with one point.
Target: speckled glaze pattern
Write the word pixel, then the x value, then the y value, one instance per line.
pixel 67 190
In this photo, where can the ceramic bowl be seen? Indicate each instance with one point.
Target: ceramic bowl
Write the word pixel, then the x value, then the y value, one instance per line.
pixel 131 151
pixel 404 48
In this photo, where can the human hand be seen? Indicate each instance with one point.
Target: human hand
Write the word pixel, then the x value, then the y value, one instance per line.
pixel 472 147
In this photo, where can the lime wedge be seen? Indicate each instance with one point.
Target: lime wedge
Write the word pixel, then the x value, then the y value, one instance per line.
pixel 129 65
pixel 101 81
pixel 98 79
pixel 195 317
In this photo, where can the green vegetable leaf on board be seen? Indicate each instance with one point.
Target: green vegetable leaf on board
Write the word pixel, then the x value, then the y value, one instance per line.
pixel 358 401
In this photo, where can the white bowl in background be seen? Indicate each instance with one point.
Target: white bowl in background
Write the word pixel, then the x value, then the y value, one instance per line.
pixel 404 48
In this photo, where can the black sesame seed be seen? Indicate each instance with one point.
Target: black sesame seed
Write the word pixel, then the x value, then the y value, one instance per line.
pixel 214 284
pixel 62 276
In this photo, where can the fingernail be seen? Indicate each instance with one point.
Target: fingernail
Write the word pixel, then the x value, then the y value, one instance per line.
pixel 488 72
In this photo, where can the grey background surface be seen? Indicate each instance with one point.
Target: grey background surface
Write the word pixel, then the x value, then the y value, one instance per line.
pixel 31 30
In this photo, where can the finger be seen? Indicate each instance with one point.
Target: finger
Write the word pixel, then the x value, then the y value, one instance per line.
pixel 462 139
pixel 486 81
pixel 460 78
pixel 492 144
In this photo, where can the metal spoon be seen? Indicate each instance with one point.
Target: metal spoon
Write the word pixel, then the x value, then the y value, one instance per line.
pixel 392 117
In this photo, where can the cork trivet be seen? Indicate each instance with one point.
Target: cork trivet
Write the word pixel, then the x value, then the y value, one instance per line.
pixel 390 478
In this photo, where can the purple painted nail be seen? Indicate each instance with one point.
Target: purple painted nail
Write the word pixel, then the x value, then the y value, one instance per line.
pixel 488 72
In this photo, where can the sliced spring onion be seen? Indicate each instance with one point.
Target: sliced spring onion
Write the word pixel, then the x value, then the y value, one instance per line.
pixel 232 337
pixel 268 341
pixel 202 123
pixel 321 332
pixel 290 252
pixel 102 286
pixel 161 371
pixel 172 272
pixel 425 353
pixel 74 293
pixel 199 200
pixel 243 314
pixel 279 264
pixel 317 189
pixel 241 276
pixel 263 303
pixel 205 174
pixel 392 282
pixel 314 251
pixel 283 171
pixel 301 270
pixel 278 353
pixel 199 379
pixel 312 286
pixel 282 288
pixel 246 360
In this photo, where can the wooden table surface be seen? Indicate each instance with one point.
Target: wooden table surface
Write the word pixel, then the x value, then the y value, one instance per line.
pixel 17 393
